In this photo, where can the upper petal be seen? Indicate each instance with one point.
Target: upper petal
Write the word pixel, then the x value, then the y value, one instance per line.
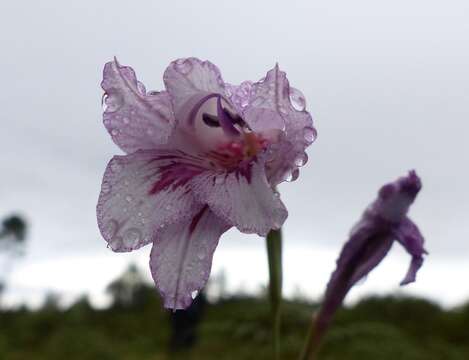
pixel 188 78
pixel 408 234
pixel 181 257
pixel 143 192
pixel 242 197
pixel 274 104
pixel 135 119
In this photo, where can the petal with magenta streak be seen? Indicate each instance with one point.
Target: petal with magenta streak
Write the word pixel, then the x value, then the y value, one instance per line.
pixel 242 197
pixel 142 193
pixel 181 257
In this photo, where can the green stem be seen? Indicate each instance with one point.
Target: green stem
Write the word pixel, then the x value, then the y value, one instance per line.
pixel 311 346
pixel 274 253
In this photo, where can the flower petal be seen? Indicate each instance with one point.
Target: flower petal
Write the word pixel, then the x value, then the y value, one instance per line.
pixel 275 105
pixel 134 118
pixel 242 197
pixel 142 192
pixel 188 78
pixel 181 257
pixel 365 249
pixel 408 234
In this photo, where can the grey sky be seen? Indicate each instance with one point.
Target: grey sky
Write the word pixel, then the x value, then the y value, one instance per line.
pixel 387 84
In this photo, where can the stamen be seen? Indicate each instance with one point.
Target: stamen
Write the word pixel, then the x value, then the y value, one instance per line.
pixel 225 121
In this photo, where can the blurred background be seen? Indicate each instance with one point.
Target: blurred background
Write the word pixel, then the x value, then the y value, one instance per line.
pixel 387 84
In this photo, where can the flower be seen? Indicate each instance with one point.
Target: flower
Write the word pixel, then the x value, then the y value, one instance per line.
pixel 201 156
pixel 384 221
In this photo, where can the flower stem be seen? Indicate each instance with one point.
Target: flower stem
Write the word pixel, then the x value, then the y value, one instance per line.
pixel 312 343
pixel 274 253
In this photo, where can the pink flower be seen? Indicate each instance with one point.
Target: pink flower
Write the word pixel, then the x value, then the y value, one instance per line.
pixel 202 156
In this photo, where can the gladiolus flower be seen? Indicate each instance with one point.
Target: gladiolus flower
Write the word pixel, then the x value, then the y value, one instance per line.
pixel 201 156
pixel 383 222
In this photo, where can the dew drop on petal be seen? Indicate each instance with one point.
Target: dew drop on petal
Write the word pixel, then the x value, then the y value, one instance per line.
pixel 126 120
pixel 141 88
pixel 114 132
pixel 302 159
pixel 112 102
pixel 201 254
pixel 194 294
pixel 183 66
pixel 219 180
pixel 132 236
pixel 116 167
pixel 292 175
pixel 105 187
pixel 116 242
pixel 297 99
pixel 168 207
pixel 309 134
pixel 128 198
pixel 111 228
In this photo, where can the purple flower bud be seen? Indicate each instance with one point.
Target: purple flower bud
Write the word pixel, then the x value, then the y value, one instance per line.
pixel 383 222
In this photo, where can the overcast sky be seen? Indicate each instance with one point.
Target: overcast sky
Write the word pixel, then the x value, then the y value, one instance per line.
pixel 387 83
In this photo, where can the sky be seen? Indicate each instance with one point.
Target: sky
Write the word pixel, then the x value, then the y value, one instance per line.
pixel 387 84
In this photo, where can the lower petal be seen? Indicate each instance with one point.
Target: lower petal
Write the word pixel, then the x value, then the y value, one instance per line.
pixel 181 257
pixel 242 197
pixel 408 234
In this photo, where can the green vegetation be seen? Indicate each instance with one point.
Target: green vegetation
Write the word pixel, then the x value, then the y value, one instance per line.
pixel 235 328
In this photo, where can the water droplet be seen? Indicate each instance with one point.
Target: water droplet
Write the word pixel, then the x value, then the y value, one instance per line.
pixel 297 99
pixel 111 228
pixel 128 198
pixel 257 101
pixel 126 120
pixel 132 236
pixel 114 132
pixel 309 134
pixel 141 88
pixel 116 242
pixel 105 187
pixel 292 175
pixel 282 110
pixel 219 180
pixel 112 102
pixel 162 226
pixel 201 254
pixel 301 160
pixel 276 194
pixel 194 294
pixel 183 66
pixel 116 167
pixel 150 132
pixel 139 213
pixel 168 207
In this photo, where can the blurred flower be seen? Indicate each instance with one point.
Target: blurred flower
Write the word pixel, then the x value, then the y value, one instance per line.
pixel 384 221
pixel 202 156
